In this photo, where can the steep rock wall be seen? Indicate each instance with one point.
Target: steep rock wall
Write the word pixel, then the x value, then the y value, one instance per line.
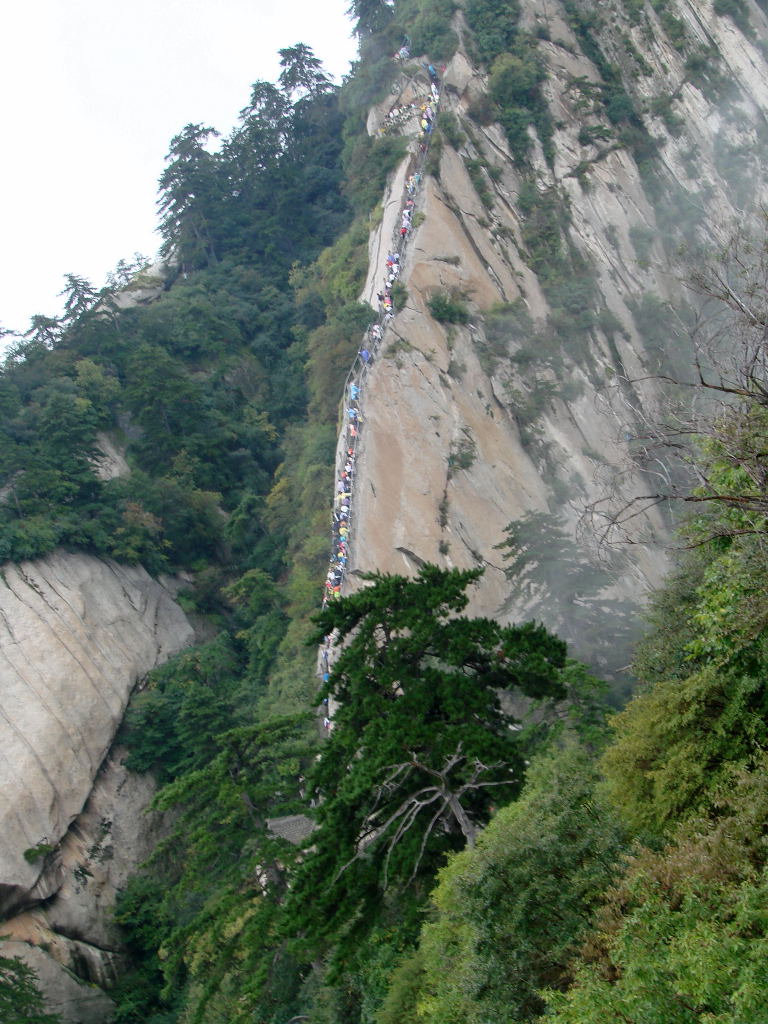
pixel 469 427
pixel 77 633
pixel 70 938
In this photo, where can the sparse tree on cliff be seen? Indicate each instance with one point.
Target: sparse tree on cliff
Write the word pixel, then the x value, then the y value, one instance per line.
pixel 702 442
pixel 188 190
pixel 79 296
pixel 44 332
pixel 20 999
pixel 263 133
pixel 369 15
pixel 302 73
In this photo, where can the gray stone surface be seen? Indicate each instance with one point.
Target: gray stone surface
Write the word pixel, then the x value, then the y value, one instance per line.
pixel 76 633
pixel 431 388
pixel 77 1002
pixel 295 828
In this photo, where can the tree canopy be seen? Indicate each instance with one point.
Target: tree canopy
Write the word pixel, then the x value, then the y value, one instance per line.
pixel 508 915
pixel 421 748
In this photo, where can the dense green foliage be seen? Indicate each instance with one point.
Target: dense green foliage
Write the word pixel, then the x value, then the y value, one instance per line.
pixel 677 740
pixel 171 726
pixel 509 913
pixel 203 920
pixel 421 748
pixel 202 383
pixel 228 923
pixel 683 936
pixel 224 872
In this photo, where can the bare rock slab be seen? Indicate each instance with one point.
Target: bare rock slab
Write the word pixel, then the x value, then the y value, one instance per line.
pixel 76 632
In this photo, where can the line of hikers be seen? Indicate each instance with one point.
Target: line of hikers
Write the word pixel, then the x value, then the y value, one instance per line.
pixel 341 516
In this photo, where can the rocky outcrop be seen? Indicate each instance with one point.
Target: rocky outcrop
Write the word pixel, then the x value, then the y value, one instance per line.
pixel 77 633
pixel 144 286
pixel 531 406
pixel 75 1002
pixel 70 939
pixel 110 463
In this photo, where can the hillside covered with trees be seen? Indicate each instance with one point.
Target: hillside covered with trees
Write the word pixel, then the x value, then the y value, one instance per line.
pixel 490 840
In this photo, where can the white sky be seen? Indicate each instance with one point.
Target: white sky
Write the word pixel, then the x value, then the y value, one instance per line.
pixel 91 93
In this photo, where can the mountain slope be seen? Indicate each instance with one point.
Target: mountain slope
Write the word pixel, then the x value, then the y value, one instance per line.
pixel 567 267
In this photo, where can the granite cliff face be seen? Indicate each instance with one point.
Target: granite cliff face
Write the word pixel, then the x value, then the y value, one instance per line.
pixel 530 408
pixel 562 271
pixel 77 634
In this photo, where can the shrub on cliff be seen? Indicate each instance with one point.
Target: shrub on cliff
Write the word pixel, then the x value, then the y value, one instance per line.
pixel 448 308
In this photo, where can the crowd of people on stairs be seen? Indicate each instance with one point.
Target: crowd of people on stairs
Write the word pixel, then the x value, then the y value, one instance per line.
pixel 342 511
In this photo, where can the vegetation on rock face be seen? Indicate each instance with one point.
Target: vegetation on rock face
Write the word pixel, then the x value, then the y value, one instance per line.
pixel 448 309
pixel 483 848
pixel 509 914
pixel 20 999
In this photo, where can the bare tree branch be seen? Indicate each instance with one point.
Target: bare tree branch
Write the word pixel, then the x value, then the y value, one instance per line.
pixel 446 793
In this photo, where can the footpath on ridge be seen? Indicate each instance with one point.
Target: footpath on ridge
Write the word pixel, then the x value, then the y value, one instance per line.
pixel 358 378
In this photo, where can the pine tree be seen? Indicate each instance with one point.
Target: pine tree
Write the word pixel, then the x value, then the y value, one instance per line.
pixel 421 748
pixel 188 191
